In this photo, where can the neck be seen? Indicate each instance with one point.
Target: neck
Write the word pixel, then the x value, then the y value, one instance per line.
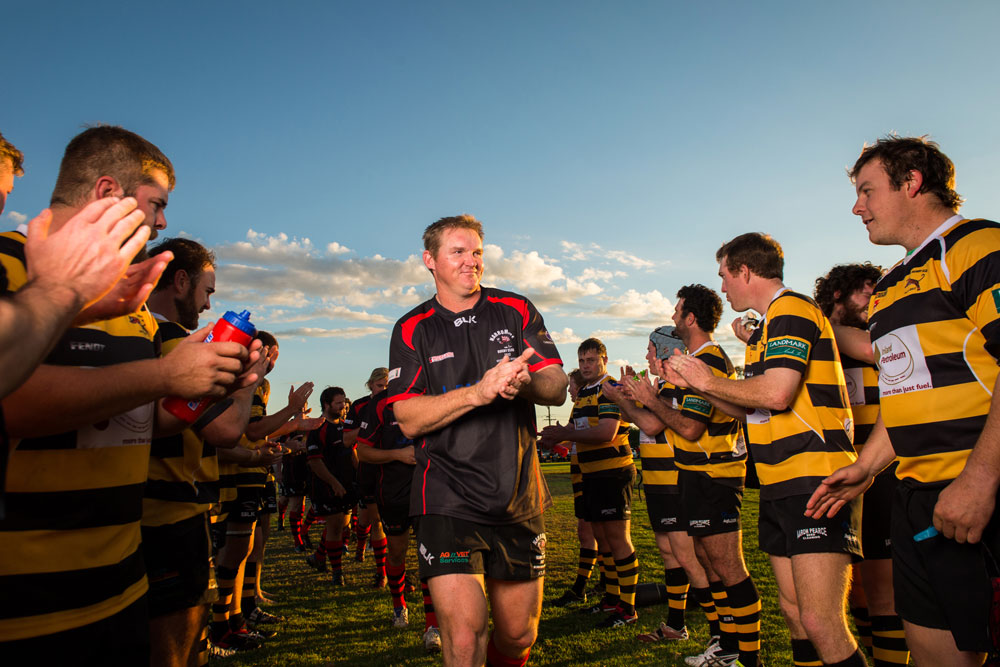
pixel 923 225
pixel 61 215
pixel 764 292
pixel 457 303
pixel 696 338
pixel 163 303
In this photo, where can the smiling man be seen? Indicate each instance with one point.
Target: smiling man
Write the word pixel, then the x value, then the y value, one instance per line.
pixel 466 370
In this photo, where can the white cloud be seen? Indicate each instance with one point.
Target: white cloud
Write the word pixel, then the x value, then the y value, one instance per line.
pixel 574 251
pixel 639 306
pixel 348 332
pixel 631 260
pixel 565 336
pixel 17 217
pixel 335 248
pixel 601 274
pixel 333 313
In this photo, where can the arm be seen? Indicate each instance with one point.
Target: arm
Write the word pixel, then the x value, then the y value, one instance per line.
pixel 369 454
pixel 965 506
pixel 664 412
pixel 546 387
pixel 641 417
pixel 774 390
pixel 854 342
pixel 850 481
pixel 351 438
pixel 269 424
pixel 319 469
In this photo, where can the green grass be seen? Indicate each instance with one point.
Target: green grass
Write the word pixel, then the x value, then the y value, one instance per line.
pixel 352 625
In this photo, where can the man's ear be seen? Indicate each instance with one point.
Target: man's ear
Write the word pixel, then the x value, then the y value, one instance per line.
pixel 107 186
pixel 914 181
pixel 181 281
pixel 429 260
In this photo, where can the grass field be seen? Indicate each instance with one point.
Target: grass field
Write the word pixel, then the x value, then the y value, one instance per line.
pixel 352 625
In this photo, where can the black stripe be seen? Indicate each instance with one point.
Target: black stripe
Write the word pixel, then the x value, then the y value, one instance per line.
pixel 967 288
pixel 824 350
pixel 602 454
pixel 936 437
pixel 13 247
pixel 176 492
pixel 967 227
pixel 719 362
pixel 720 429
pixel 872 395
pixel 658 464
pixel 792 325
pixel 932 306
pixel 57 441
pixel 43 593
pixel 91 347
pixel 70 510
pixel 169 447
pixel 684 457
pixel 171 331
pixel 862 432
pixel 250 478
pixel 826 395
pixel 800 486
pixel 785 448
pixel 949 369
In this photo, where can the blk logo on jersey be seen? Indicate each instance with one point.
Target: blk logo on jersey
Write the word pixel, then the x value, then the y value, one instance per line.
pixel 459 321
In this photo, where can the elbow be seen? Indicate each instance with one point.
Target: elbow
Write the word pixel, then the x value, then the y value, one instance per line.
pixel 781 400
pixel 407 428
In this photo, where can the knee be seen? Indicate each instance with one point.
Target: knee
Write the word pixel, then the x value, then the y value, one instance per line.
pixel 516 641
pixel 466 638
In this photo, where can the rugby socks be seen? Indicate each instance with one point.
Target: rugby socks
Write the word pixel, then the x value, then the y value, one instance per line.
pixel 202 647
pixel 627 570
pixel 379 547
pixel 281 518
pixel 729 640
pixel 309 520
pixel 889 641
pixel 864 626
pixel 430 618
pixel 804 654
pixel 743 605
pixel 320 554
pixel 220 608
pixel 236 622
pixel 295 522
pixel 396 574
pixel 494 658
pixel 856 659
pixel 588 557
pixel 611 594
pixel 677 591
pixel 335 550
pixel 362 533
pixel 248 599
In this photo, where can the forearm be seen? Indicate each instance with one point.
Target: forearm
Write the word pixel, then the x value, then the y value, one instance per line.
pixel 547 387
pixel 596 435
pixel 350 437
pixel 983 464
pixel 320 470
pixel 646 420
pixel 877 452
pixel 369 454
pixel 31 321
pixel 240 455
pixel 224 431
pixel 269 424
pixel 423 414
pixel 56 399
pixel 772 390
pixel 689 429
pixel 855 343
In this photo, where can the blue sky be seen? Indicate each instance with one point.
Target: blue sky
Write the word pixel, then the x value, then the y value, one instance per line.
pixel 609 148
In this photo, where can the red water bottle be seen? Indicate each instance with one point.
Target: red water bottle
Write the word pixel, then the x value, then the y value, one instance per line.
pixel 230 328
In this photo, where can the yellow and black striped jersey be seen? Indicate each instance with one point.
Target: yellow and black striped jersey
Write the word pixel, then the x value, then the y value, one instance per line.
pixel 795 448
pixel 934 321
pixel 183 468
pixel 590 407
pixel 70 538
pixel 656 451
pixel 235 475
pixel 575 476
pixel 862 390
pixel 719 453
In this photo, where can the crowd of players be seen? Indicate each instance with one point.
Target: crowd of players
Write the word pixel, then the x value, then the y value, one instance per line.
pixel 132 536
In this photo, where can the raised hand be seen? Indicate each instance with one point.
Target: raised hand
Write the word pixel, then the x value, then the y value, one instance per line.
pixel 297 398
pixel 129 293
pixel 195 369
pixel 836 490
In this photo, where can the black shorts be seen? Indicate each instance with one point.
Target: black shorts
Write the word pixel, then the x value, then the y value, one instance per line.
pixel 665 512
pixel 446 545
pixel 325 503
pixel 396 519
pixel 121 640
pixel 608 497
pixel 178 561
pixel 577 480
pixel 876 515
pixel 786 531
pixel 367 472
pixel 710 507
pixel 294 476
pixel 938 582
pixel 246 507
pixel 269 498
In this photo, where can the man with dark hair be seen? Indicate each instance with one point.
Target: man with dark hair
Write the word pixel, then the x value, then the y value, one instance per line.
pixel 74 584
pixel 800 427
pixel 843 294
pixel 466 368
pixel 605 456
pixel 11 165
pixel 184 472
pixel 934 327
pixel 333 490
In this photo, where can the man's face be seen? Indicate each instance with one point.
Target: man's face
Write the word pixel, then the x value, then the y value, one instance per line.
pixel 881 208
pixel 734 286
pixel 152 200
pixel 458 263
pixel 593 365
pixel 198 298
pixel 379 385
pixel 337 409
pixel 651 360
pixel 6 180
pixel 574 389
pixel 855 312
pixel 679 319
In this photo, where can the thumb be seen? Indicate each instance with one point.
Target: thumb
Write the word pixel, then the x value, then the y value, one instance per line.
pixel 38 228
pixel 200 335
pixel 528 353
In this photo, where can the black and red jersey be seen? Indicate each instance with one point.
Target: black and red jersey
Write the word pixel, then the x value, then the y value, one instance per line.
pixel 483 466
pixel 380 429
pixel 326 443
pixel 352 422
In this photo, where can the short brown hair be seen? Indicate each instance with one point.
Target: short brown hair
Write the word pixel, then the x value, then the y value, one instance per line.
pixel 576 376
pixel 759 252
pixel 16 157
pixel 107 150
pixel 703 303
pixel 433 233
pixel 901 155
pixel 189 256
pixel 592 345
pixel 836 286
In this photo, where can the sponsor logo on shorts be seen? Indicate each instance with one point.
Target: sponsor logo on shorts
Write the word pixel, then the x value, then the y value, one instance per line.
pixel 668 521
pixel 441 357
pixel 459 321
pixel 700 523
pixel 611 511
pixel 540 541
pixel 426 554
pixel 453 557
pixel 811 533
pixel 888 542
pixel 394 373
pixel 730 518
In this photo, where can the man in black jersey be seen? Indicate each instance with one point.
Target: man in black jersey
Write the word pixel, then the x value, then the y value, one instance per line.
pixel 333 489
pixel 465 370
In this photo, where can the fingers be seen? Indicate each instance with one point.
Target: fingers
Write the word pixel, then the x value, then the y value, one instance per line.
pixel 119 217
pixel 38 228
pixel 528 353
pixel 136 238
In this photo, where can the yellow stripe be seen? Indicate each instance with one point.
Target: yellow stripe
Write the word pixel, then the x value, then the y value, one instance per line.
pixel 40 551
pixel 33 471
pixel 33 626
pixel 812 464
pixel 747 610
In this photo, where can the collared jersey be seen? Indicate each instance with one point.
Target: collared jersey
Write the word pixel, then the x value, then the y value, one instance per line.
pixel 590 408
pixel 935 332
pixel 69 543
pixel 379 429
pixel 659 472
pixel 719 452
pixel 326 444
pixel 795 448
pixel 483 466
pixel 183 468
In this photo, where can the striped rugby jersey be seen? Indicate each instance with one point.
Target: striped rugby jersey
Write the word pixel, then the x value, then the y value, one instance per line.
pixel 656 451
pixel 590 407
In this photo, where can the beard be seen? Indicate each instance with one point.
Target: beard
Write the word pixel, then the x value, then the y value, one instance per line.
pixel 854 317
pixel 187 313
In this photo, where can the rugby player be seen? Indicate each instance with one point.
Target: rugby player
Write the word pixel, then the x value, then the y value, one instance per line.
pixel 466 368
pixel 72 580
pixel 605 457
pixel 844 294
pixel 800 427
pixel 934 323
